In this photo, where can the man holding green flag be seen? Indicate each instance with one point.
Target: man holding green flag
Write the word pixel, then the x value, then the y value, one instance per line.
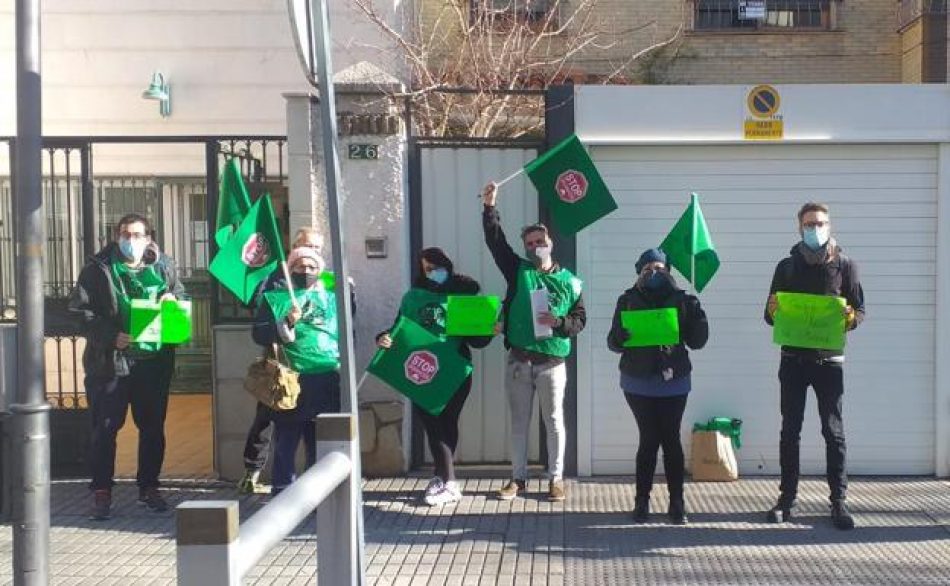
pixel 689 247
pixel 542 311
pixel 251 254
pixel 815 265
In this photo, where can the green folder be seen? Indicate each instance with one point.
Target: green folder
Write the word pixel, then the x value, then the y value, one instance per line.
pixel 651 327
pixel 420 365
pixel 471 315
pixel 804 320
pixel 168 322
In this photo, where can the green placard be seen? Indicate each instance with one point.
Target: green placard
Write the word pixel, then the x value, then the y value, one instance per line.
pixel 168 322
pixel 804 320
pixel 471 315
pixel 651 327
pixel 146 321
pixel 176 321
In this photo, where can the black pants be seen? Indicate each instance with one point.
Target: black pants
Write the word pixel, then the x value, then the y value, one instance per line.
pixel 257 445
pixel 658 419
pixel 145 389
pixel 442 431
pixel 827 379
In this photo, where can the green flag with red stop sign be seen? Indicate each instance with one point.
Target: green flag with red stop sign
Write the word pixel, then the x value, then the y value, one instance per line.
pixel 420 365
pixel 570 185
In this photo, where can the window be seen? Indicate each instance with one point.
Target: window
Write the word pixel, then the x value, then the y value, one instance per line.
pixel 514 11
pixel 756 15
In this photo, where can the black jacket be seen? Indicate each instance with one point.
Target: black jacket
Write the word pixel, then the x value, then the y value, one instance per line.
pixel 455 284
pixel 93 305
pixel 508 262
pixel 838 276
pixel 646 361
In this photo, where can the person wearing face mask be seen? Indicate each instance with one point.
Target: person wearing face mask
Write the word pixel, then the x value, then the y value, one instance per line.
pixel 535 365
pixel 307 333
pixel 656 379
pixel 818 266
pixel 425 303
pixel 260 432
pixel 120 372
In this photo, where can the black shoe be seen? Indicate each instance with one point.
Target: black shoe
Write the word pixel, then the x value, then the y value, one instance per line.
pixel 841 517
pixel 677 513
pixel 152 499
pixel 101 505
pixel 641 511
pixel 782 512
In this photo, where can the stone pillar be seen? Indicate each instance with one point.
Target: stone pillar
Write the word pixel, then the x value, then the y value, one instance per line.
pixel 373 182
pixel 233 351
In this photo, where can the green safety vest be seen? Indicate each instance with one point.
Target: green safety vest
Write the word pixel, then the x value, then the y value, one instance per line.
pixel 129 284
pixel 564 289
pixel 315 348
pixel 428 309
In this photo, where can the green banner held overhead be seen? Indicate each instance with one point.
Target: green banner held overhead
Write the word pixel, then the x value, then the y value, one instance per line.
pixel 651 327
pixel 421 366
pixel 167 322
pixel 569 183
pixel 689 246
pixel 809 321
pixel 233 202
pixel 471 315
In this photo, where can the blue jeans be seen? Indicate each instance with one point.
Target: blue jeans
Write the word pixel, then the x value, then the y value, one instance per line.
pixel 319 393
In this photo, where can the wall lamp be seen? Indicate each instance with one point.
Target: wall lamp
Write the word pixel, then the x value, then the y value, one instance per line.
pixel 159 90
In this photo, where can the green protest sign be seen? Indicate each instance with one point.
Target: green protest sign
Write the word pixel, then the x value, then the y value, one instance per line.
pixel 168 322
pixel 471 315
pixel 804 320
pixel 421 366
pixel 651 327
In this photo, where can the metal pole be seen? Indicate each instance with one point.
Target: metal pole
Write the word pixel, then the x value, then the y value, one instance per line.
pixel 331 167
pixel 90 223
pixel 31 411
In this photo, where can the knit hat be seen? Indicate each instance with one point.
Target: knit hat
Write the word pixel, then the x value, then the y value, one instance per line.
pixel 648 256
pixel 302 252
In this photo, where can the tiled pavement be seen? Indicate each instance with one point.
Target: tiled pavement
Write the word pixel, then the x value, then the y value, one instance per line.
pixel 903 537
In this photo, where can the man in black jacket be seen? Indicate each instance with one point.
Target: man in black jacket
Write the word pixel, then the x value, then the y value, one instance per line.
pixel 543 309
pixel 815 265
pixel 121 372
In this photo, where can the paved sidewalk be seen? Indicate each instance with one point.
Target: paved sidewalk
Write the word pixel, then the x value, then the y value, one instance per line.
pixel 903 537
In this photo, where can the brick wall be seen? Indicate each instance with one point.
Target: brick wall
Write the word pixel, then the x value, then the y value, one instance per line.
pixel 864 47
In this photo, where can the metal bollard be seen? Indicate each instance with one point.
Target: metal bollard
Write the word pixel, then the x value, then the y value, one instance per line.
pixel 207 540
pixel 338 559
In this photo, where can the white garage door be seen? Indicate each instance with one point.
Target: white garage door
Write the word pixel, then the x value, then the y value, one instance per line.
pixel 883 210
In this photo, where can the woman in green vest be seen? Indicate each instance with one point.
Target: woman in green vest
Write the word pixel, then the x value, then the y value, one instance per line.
pixel 307 334
pixel 425 304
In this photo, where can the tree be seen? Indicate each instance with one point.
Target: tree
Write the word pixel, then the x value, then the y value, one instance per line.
pixel 469 62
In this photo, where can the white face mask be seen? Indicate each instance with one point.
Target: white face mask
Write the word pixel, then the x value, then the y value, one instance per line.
pixel 540 254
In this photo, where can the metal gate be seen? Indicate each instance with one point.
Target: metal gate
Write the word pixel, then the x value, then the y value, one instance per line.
pixel 81 209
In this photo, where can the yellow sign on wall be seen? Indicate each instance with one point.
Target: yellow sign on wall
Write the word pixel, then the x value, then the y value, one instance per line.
pixel 763 118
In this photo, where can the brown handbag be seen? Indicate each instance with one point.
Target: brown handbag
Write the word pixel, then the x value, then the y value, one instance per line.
pixel 273 383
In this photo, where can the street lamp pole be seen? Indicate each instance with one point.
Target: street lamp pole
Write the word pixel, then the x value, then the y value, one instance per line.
pixel 31 488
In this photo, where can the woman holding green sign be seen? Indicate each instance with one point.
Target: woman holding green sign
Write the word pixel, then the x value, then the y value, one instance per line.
pixel 306 330
pixel 653 324
pixel 426 304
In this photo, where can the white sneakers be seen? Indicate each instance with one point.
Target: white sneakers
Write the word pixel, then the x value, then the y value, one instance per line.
pixel 442 493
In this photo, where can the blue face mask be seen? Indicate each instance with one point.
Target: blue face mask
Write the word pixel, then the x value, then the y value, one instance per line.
pixel 815 237
pixel 438 275
pixel 657 281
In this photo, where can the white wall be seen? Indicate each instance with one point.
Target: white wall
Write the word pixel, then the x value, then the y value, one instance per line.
pixel 227 61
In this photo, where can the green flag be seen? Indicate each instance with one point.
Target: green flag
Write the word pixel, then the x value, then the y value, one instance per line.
pixel 233 203
pixel 569 183
pixel 252 254
pixel 689 246
pixel 421 366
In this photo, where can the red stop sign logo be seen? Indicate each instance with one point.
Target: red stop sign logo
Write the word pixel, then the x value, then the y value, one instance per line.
pixel 421 367
pixel 571 186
